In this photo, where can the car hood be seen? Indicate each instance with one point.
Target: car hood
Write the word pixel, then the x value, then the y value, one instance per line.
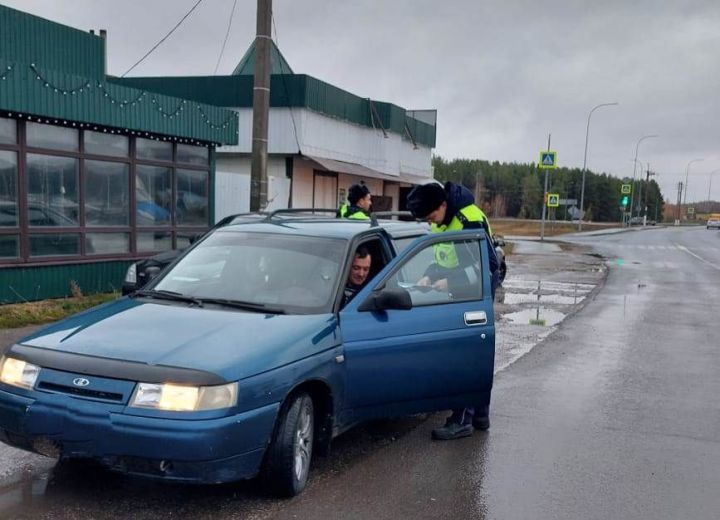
pixel 233 344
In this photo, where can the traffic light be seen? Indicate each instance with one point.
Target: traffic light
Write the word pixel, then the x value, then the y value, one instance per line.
pixel 625 201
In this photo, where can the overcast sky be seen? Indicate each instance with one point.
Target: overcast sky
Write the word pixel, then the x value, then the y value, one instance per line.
pixel 502 74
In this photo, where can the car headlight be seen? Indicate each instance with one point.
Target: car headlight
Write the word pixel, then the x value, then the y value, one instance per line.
pixel 18 373
pixel 182 398
pixel 131 275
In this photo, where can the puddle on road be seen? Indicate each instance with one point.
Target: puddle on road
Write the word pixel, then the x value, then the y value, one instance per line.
pixel 515 298
pixel 542 316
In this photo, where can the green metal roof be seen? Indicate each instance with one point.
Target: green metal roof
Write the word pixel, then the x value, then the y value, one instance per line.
pixel 278 64
pixel 290 90
pixel 31 39
pixel 54 72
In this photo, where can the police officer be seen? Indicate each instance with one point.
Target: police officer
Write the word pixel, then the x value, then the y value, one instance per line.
pixel 358 203
pixel 451 208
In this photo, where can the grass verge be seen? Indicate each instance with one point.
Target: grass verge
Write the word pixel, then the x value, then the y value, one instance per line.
pixel 16 315
pixel 532 227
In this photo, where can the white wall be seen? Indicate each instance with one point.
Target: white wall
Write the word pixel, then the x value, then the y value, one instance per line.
pixel 232 185
pixel 324 136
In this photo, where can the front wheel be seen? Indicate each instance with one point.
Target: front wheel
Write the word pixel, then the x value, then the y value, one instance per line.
pixel 289 455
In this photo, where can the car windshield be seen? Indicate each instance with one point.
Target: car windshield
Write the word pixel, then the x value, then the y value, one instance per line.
pixel 290 274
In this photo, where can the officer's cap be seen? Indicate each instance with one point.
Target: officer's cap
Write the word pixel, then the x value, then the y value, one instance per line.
pixel 425 198
pixel 357 192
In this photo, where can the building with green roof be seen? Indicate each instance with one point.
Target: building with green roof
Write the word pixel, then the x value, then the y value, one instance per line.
pixel 322 139
pixel 93 174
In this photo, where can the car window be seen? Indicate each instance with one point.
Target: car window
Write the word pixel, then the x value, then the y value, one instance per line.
pixel 441 273
pixel 296 274
pixel 401 244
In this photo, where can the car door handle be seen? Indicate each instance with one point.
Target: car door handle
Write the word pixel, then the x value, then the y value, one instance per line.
pixel 475 318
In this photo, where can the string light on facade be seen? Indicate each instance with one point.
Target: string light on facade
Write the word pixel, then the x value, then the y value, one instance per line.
pixel 6 72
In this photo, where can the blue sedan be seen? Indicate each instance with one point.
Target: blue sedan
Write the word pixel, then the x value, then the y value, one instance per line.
pixel 245 357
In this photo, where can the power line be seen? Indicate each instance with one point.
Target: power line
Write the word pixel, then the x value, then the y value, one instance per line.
pixel 163 39
pixel 232 12
pixel 287 91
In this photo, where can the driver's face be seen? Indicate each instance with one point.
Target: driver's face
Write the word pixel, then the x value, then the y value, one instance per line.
pixel 359 270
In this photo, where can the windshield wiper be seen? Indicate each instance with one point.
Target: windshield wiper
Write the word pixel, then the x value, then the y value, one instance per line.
pixel 167 295
pixel 239 304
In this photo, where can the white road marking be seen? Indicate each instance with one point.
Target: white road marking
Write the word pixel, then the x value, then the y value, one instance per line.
pixel 685 249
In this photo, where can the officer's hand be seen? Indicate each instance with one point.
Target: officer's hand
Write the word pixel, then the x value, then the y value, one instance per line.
pixel 424 281
pixel 441 285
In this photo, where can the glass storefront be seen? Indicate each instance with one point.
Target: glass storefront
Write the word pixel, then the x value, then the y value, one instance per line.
pixel 70 193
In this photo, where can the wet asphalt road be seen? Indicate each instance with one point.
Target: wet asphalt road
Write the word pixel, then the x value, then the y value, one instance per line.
pixel 615 415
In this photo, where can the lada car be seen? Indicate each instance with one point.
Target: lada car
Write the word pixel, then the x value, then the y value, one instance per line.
pixel 240 359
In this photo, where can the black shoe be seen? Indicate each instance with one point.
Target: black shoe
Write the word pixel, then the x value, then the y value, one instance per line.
pixel 481 423
pixel 451 431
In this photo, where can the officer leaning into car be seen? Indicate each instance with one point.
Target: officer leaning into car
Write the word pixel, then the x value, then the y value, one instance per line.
pixel 452 208
pixel 358 203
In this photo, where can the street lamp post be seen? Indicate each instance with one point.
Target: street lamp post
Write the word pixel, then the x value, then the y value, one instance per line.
pixel 710 186
pixel 587 134
pixel 687 172
pixel 632 191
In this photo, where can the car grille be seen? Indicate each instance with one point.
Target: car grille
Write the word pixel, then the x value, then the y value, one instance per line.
pixel 83 392
pixel 85 386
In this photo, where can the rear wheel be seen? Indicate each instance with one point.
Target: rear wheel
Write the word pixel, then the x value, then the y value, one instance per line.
pixel 289 455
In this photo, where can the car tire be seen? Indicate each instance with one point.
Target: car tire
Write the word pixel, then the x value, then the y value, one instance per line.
pixel 503 272
pixel 288 459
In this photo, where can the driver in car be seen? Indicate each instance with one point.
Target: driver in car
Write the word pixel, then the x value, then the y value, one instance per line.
pixel 358 276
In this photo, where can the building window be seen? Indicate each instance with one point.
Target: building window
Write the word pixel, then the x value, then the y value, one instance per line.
pixel 107 243
pixel 153 195
pixel 52 190
pixel 189 154
pixel 67 194
pixel 97 143
pixel 9 247
pixel 8 189
pixel 191 206
pixel 155 241
pixel 153 150
pixel 55 244
pixel 52 137
pixel 8 131
pixel 107 197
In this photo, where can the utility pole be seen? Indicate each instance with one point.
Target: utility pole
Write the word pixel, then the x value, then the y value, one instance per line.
pixel 645 194
pixel 261 107
pixel 545 194
pixel 679 202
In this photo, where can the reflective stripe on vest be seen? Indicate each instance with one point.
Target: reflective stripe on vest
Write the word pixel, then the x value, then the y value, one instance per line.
pixel 445 255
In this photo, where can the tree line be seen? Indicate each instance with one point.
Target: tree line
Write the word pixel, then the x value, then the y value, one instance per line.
pixel 516 189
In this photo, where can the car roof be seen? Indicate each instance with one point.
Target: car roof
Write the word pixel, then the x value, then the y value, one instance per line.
pixel 323 226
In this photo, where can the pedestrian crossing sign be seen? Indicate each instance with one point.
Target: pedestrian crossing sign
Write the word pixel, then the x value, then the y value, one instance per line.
pixel 553 200
pixel 548 160
pixel 626 189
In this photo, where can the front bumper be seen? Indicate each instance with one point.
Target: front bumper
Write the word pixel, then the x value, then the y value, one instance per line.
pixel 204 451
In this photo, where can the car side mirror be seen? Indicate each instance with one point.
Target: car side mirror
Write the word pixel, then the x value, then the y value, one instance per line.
pixel 398 299
pixel 151 272
pixel 196 237
pixel 499 242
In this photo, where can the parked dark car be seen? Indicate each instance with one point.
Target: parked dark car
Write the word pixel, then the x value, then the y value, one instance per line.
pixel 499 243
pixel 240 358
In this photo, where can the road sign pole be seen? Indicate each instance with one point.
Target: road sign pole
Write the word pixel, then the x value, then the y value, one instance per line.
pixel 545 193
